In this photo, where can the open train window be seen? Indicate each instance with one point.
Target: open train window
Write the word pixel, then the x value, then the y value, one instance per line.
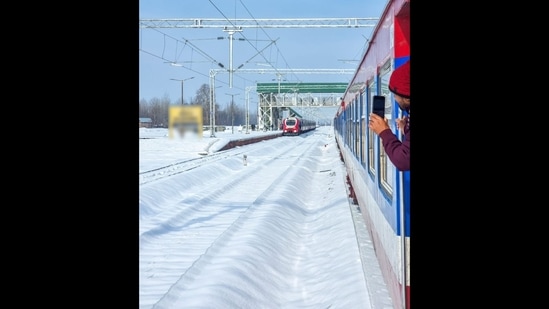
pixel 386 167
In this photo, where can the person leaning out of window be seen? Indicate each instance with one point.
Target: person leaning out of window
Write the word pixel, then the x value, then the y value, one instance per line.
pixel 397 151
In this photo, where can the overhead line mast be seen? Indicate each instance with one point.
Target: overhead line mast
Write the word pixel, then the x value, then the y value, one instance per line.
pixel 236 25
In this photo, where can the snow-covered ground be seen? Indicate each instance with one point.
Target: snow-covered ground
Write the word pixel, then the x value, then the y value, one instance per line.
pixel 266 225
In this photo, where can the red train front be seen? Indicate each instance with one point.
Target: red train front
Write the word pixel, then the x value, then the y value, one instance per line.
pixel 290 126
pixel 295 125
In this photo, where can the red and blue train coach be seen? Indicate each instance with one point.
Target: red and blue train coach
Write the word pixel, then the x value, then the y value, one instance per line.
pixel 381 190
pixel 296 125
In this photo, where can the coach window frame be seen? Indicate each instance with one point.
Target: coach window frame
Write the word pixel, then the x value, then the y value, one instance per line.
pixel 386 167
pixel 362 133
pixel 348 121
pixel 356 130
pixel 352 126
pixel 371 86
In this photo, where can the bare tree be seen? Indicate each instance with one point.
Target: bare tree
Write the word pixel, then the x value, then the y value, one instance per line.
pixel 144 110
pixel 156 109
pixel 202 98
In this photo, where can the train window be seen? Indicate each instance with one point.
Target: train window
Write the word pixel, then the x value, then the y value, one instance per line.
pixel 385 165
pixel 370 95
pixel 356 129
pixel 362 136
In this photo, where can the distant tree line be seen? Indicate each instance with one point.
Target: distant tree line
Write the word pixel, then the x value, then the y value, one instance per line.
pixel 226 114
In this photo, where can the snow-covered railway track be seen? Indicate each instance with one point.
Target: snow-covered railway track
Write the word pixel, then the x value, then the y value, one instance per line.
pixel 198 222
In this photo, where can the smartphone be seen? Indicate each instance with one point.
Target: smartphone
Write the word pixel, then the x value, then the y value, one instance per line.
pixel 379 106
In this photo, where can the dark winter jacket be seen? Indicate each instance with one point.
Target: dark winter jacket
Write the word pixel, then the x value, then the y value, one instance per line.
pixel 397 151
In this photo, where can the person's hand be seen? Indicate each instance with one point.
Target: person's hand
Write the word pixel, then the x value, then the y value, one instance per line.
pixel 377 124
pixel 401 122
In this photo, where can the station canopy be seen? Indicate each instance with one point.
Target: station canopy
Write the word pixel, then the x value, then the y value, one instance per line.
pixel 301 87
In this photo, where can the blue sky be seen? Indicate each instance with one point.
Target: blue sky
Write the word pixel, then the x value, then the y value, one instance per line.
pixel 307 48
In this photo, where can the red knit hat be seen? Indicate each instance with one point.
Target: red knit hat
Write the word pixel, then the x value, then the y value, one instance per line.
pixel 399 83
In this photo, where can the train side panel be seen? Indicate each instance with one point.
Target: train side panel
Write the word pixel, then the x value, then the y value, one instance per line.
pixel 381 190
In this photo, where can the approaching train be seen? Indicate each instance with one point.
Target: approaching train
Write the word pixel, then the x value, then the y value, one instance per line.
pixel 296 125
pixel 381 190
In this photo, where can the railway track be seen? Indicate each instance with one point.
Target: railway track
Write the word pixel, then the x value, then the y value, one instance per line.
pixel 193 231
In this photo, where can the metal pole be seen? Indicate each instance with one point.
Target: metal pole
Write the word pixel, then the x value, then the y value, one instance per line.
pixel 231 59
pixel 212 105
pixel 232 110
pixel 182 81
pixel 247 112
pixel 278 75
pixel 247 109
pixel 231 32
pixel 182 93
